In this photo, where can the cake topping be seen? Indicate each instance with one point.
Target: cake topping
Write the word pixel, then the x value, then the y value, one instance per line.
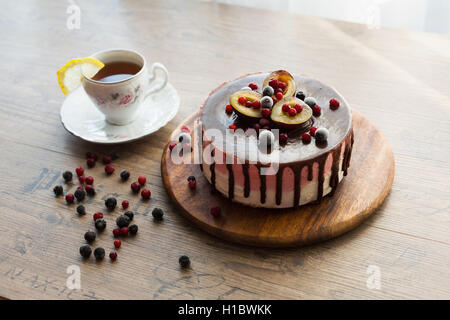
pixel 306 138
pixel 266 102
pixel 238 102
pixel 292 118
pixel 232 127
pixel 283 138
pixel 312 131
pixel 268 91
pixel 253 86
pixel 266 112
pixel 317 111
pixel 256 104
pixel 300 95
pixel 321 134
pixel 310 101
pixel 334 104
pixel 229 109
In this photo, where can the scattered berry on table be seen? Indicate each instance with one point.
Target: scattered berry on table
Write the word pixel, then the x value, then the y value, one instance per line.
pixel 113 255
pixel 123 221
pixel 124 231
pixel 106 160
pixel 129 214
pixel 184 261
pixel 116 232
pixel 90 162
pixel 100 224
pixel 114 156
pixel 90 236
pixel 79 171
pixel 266 112
pixel 69 198
pixel 133 229
pixel 253 86
pixel 111 203
pixel 89 180
pixel 279 95
pixel 215 211
pixel 283 138
pixel 266 102
pixel 81 210
pixel 292 112
pixel 145 194
pixel 99 253
pixel 90 155
pixel 80 194
pixel 85 251
pixel 58 190
pixel 312 131
pixel 316 110
pixel 124 175
pixel 89 190
pixel 322 134
pixel 67 176
pixel 109 169
pixel 229 109
pixel 158 214
pixel 97 215
pixel 300 95
pixel 135 186
pixel 117 243
pixel 82 179
pixel 310 101
pixel 298 108
pixel 268 91
pixel 306 137
pixel 192 184
pixel 142 180
pixel 334 104
pixel 125 204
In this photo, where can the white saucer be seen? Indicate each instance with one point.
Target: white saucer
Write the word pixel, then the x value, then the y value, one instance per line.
pixel 82 119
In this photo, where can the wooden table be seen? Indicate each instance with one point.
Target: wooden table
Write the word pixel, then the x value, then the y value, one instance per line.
pixel 398 79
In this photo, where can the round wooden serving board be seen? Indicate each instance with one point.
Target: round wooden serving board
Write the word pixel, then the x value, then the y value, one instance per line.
pixel 362 191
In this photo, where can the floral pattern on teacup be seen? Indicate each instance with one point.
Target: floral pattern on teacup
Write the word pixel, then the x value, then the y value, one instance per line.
pixel 126 99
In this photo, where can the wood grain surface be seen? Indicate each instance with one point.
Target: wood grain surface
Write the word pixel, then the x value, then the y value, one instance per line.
pixel 356 199
pixel 399 80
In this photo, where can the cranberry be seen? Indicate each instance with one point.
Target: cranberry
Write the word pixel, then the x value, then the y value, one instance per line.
pixel 117 243
pixel 242 101
pixel 316 110
pixel 228 109
pixel 185 129
pixel 275 100
pixel 192 184
pixel 232 127
pixel 109 169
pixel 278 90
pixel 79 171
pixel 113 255
pixel 249 104
pixel 264 122
pixel 135 186
pixel 90 155
pixel 298 108
pixel 81 179
pixel 256 104
pixel 312 131
pixel 107 160
pixel 97 215
pixel 125 204
pixel 273 83
pixel 90 162
pixel 145 194
pixel 281 85
pixel 266 112
pixel 283 138
pixel 116 232
pixel 69 198
pixel 285 107
pixel 124 231
pixel 253 86
pixel 306 137
pixel 89 180
pixel 142 180
pixel 215 211
pixel 172 145
pixel 334 104
pixel 292 112
pixel 279 95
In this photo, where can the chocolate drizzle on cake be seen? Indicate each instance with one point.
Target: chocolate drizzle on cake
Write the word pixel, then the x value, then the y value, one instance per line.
pixel 230 181
pixel 279 187
pixel 262 186
pixel 212 168
pixel 246 180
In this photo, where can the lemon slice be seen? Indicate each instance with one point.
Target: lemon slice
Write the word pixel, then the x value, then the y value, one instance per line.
pixel 71 74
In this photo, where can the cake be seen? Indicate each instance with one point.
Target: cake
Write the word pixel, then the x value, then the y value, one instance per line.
pixel 274 140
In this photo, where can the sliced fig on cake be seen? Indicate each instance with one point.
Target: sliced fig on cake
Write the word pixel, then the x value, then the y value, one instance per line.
pixel 281 79
pixel 243 103
pixel 291 112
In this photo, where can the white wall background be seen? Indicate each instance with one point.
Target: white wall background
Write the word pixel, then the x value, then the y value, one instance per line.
pixel 416 15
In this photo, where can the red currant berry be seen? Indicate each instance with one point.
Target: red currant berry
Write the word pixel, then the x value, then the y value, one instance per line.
pixel 279 95
pixel 192 184
pixel 312 131
pixel 265 112
pixel 215 211
pixel 256 104
pixel 89 180
pixel 298 108
pixel 283 138
pixel 81 179
pixel 316 110
pixel 69 198
pixel 116 232
pixel 334 104
pixel 145 194
pixel 232 127
pixel 124 231
pixel 125 204
pixel 142 180
pixel 113 256
pixel 273 83
pixel 228 109
pixel 242 101
pixel 306 137
pixel 281 85
pixel 107 160
pixel 97 215
pixel 292 112
pixel 109 169
pixel 135 186
pixel 117 243
pixel 79 171
pixel 90 162
pixel 285 107
pixel 253 86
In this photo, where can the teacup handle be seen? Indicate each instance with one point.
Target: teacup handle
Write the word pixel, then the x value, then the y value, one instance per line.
pixel 152 77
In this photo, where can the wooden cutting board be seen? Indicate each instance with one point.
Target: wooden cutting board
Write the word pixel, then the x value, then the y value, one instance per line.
pixel 362 191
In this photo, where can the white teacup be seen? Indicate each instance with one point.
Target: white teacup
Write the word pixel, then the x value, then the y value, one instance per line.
pixel 120 101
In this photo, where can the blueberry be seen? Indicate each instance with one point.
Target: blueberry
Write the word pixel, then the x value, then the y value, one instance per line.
pixel 111 203
pixel 310 101
pixel 67 175
pixel 99 253
pixel 124 175
pixel 129 214
pixel 81 210
pixel 133 229
pixel 157 214
pixel 58 190
pixel 122 221
pixel 300 95
pixel 100 224
pixel 184 261
pixel 268 91
pixel 85 251
pixel 321 134
pixel 79 194
pixel 90 236
pixel 266 102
